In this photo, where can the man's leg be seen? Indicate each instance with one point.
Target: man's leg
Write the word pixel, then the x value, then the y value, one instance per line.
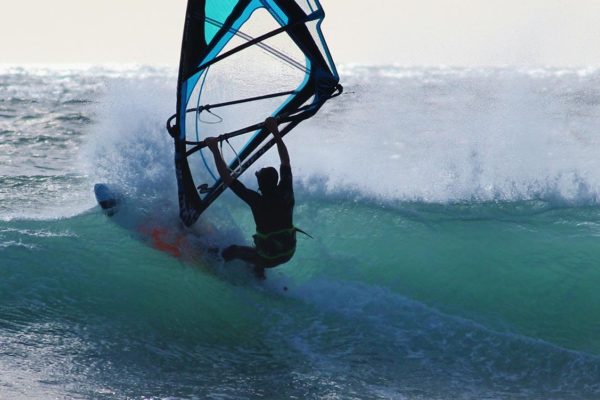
pixel 247 254
pixel 243 253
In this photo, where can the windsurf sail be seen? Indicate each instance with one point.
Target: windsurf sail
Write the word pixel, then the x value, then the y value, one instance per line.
pixel 242 61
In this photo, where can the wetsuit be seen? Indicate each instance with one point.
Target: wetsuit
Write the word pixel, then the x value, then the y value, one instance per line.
pixel 275 238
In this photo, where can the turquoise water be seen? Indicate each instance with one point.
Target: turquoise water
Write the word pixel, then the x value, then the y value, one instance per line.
pixel 435 272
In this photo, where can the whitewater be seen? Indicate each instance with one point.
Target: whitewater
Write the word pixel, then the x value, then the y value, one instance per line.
pixel 456 222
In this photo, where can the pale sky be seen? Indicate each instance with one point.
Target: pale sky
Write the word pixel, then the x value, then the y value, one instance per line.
pixel 405 32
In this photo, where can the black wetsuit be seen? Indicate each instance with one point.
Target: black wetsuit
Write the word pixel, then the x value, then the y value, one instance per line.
pixel 275 239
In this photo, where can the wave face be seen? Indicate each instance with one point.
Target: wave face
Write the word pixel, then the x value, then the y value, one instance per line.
pixel 455 217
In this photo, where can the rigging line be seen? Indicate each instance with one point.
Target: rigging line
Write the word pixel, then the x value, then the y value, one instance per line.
pixel 207 107
pixel 295 115
pixel 218 121
pixel 210 171
pixel 170 128
pixel 271 50
pixel 198 101
pixel 237 156
pixel 303 113
pixel 229 103
pixel 249 99
pixel 311 17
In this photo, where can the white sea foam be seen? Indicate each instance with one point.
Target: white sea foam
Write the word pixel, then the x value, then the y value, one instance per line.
pixel 398 134
pixel 440 134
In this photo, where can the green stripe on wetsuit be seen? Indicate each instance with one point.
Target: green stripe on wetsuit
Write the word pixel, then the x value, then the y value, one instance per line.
pixel 278 244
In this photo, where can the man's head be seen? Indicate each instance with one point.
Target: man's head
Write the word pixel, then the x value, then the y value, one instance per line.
pixel 267 179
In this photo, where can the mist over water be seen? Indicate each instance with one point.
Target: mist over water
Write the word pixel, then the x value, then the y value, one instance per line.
pixel 455 220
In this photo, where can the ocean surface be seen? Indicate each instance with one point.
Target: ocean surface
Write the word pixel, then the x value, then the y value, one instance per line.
pixel 456 251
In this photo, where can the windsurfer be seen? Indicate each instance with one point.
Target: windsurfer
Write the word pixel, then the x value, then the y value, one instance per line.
pixel 272 208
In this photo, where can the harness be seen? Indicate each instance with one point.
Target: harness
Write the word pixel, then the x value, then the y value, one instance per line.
pixel 277 245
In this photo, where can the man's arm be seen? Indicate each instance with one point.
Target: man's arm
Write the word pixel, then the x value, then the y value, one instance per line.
pixel 213 146
pixel 285 172
pixel 271 125
pixel 249 196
